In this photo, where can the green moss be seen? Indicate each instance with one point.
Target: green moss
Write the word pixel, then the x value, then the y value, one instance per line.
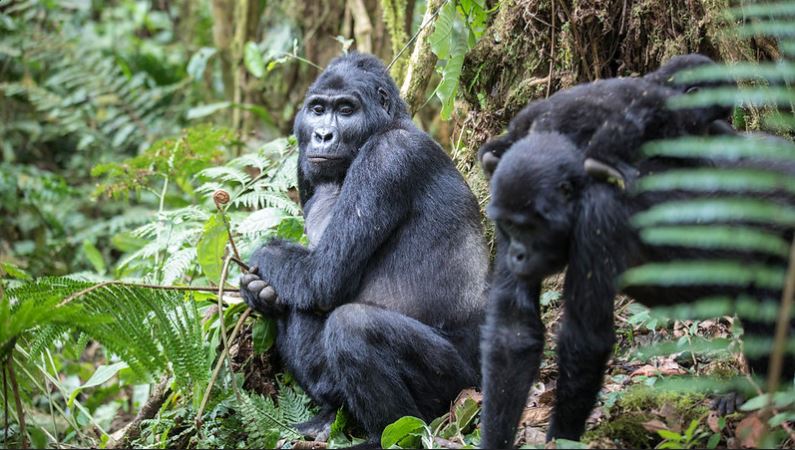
pixel 688 405
pixel 625 431
pixel 625 425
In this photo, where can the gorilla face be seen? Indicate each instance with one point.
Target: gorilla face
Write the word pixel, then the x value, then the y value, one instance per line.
pixel 534 203
pixel 329 129
pixel 349 104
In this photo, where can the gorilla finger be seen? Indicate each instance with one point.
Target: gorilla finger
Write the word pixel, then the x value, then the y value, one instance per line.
pixel 247 279
pixel 268 294
pixel 253 269
pixel 257 286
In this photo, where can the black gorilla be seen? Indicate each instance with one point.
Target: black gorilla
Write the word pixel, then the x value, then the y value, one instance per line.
pixel 559 201
pixel 381 313
pixel 590 113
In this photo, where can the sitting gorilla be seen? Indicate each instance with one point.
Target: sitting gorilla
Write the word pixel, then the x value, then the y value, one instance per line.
pixel 381 313
pixel 558 201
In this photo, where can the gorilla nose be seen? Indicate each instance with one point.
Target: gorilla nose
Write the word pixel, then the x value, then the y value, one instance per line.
pixel 324 135
pixel 517 256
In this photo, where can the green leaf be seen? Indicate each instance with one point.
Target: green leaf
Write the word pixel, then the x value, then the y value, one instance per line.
pixel 442 34
pixel 725 147
pixel 94 257
pixel 713 441
pixel 465 412
pixel 717 237
pixel 100 376
pixel 758 402
pixel 710 180
pixel 400 429
pixel 731 96
pixel 566 443
pixel 205 110
pixel 252 58
pixel 263 334
pixel 448 86
pixel 210 248
pixel 198 62
pixel 670 435
pixel 717 210
pixel 704 273
pixel 14 271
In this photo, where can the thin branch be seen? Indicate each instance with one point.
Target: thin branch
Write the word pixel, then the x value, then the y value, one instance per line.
pixel 782 327
pixel 5 407
pixel 17 400
pixel 217 369
pixel 551 50
pixel 140 285
pixel 123 437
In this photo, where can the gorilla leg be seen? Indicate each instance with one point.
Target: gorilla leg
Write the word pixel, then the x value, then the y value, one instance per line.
pixel 584 346
pixel 388 365
pixel 299 343
pixel 513 339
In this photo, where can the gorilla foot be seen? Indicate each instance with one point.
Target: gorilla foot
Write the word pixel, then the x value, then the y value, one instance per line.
pixel 318 428
pixel 727 403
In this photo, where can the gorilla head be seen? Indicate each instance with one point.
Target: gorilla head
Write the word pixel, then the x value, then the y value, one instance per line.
pixel 534 202
pixel 352 100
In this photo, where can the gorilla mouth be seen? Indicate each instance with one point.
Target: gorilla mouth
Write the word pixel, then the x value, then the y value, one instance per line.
pixel 322 158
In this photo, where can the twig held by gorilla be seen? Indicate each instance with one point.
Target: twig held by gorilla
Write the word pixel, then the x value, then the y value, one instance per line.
pixel 221 198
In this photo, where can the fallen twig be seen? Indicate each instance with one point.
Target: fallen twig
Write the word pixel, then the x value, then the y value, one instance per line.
pixel 123 437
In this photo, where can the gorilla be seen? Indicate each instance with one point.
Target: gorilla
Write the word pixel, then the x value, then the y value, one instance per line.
pixel 560 199
pixel 590 113
pixel 381 313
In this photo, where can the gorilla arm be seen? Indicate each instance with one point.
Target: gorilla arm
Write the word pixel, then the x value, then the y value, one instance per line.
pixel 374 200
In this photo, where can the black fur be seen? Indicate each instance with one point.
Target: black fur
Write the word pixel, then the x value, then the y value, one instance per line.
pixel 589 114
pixel 550 215
pixel 381 313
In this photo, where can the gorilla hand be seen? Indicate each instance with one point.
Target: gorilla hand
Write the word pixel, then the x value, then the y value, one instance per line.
pixel 258 295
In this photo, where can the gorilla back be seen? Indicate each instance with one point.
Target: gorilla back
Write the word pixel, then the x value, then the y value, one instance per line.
pixel 381 313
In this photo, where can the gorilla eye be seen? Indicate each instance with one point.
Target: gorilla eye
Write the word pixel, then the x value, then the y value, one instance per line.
pixel 565 189
pixel 346 110
pixel 318 109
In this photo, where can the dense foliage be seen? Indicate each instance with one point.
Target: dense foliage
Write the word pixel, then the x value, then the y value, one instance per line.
pixel 135 159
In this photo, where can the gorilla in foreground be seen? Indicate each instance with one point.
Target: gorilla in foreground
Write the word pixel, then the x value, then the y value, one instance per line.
pixel 560 200
pixel 381 313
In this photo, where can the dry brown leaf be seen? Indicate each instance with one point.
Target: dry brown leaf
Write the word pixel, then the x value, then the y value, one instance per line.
pixel 651 371
pixel 654 425
pixel 533 435
pixel 750 431
pixel 712 421
pixel 474 394
pixel 538 415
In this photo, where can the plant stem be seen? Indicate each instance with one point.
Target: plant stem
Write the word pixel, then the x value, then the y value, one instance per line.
pixel 217 368
pixel 17 400
pixel 140 285
pixel 782 327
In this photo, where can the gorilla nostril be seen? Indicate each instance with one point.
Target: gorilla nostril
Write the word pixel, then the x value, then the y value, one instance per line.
pixel 323 135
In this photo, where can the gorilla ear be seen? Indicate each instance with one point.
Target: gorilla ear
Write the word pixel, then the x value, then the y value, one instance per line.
pixel 604 172
pixel 384 97
pixel 489 162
